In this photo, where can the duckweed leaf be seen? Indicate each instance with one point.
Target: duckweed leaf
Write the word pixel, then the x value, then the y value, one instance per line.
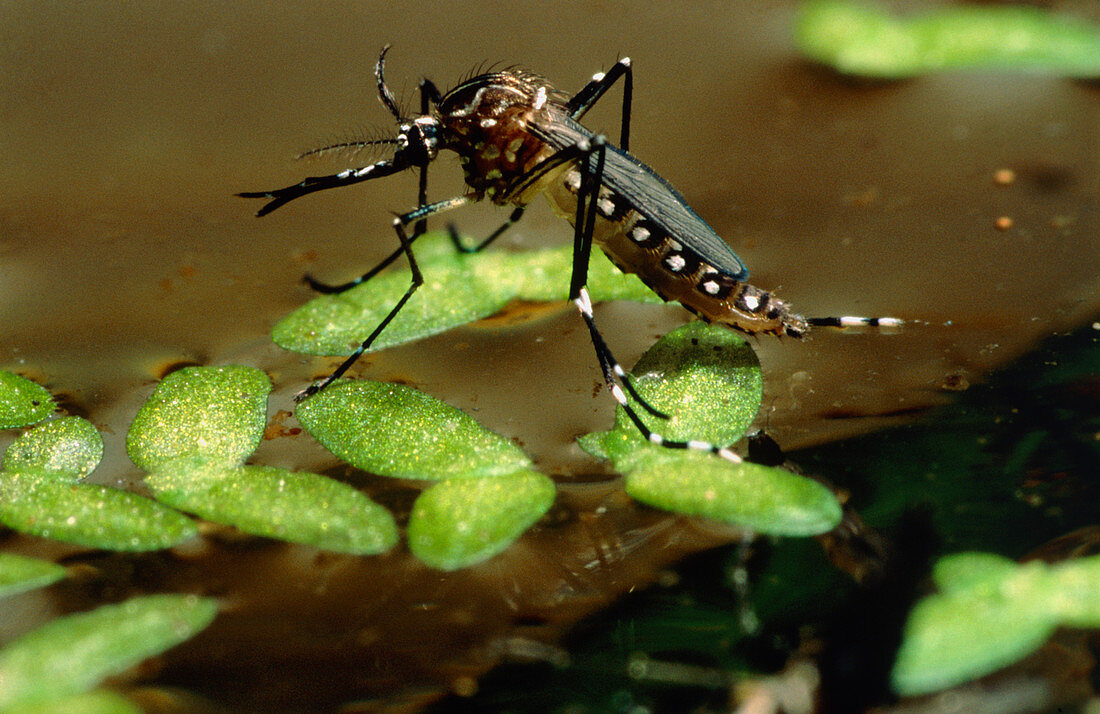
pixel 966 572
pixel 860 39
pixel 543 275
pixel 705 377
pixel 19 573
pixel 450 296
pixel 72 654
pixel 990 613
pixel 276 503
pixel 459 522
pixel 393 430
pixel 459 288
pixel 764 499
pixel 952 638
pixel 22 402
pixel 216 413
pixel 36 502
pixel 99 701
pixel 70 447
pixel 1075 585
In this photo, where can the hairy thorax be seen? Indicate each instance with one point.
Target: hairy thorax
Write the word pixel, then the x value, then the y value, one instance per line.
pixel 486 121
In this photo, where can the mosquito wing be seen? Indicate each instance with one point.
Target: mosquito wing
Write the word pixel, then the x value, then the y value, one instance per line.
pixel 649 194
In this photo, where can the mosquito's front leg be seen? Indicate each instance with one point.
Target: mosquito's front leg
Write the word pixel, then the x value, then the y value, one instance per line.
pixel 399 224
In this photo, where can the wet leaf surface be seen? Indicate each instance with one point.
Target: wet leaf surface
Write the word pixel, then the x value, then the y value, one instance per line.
pixel 990 613
pixel 393 430
pixel 761 498
pixel 18 573
pixel 36 502
pixel 275 503
pixel 70 446
pixel 216 413
pixel 461 522
pixel 22 402
pixel 459 288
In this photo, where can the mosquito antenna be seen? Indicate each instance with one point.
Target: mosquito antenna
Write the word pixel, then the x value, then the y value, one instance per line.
pixel 339 146
pixel 384 93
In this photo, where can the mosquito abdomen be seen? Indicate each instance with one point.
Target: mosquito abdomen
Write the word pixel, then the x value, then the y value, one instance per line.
pixel 638 245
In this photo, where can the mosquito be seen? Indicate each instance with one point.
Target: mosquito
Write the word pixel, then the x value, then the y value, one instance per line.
pixel 517 136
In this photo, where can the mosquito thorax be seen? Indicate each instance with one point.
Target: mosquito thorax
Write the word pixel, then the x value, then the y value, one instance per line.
pixel 486 121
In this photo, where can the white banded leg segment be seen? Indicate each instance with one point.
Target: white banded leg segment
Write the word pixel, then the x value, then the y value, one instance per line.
pixel 612 370
pixel 610 366
pixel 585 99
pixel 584 303
pixel 844 321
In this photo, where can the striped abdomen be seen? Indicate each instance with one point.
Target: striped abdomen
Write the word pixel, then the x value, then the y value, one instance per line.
pixel 636 244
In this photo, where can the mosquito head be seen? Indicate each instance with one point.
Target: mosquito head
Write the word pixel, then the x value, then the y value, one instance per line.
pixel 417 141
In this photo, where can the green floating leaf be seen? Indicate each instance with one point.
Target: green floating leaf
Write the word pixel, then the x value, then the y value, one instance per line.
pixel 705 377
pixel 543 275
pixel 764 499
pixel 459 288
pixel 19 573
pixel 1075 592
pixel 70 447
pixel 450 296
pixel 969 572
pixel 460 522
pixel 954 637
pixel 276 503
pixel 72 654
pixel 990 613
pixel 863 40
pixel 393 430
pixel 22 402
pixel 99 701
pixel 38 503
pixel 214 413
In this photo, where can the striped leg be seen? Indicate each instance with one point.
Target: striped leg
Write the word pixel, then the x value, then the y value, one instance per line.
pixel 613 372
pixel 585 99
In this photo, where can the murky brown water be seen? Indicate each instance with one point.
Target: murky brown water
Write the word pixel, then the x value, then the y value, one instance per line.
pixel 126 128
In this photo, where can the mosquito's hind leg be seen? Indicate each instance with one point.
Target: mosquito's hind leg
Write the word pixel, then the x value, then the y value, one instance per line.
pixel 613 372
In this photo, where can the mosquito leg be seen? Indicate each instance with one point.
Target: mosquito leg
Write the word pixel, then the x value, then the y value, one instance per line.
pixel 611 367
pixel 462 248
pixel 328 289
pixel 418 230
pixel 282 196
pixel 614 374
pixel 399 224
pixel 428 95
pixel 584 100
pixel 582 249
